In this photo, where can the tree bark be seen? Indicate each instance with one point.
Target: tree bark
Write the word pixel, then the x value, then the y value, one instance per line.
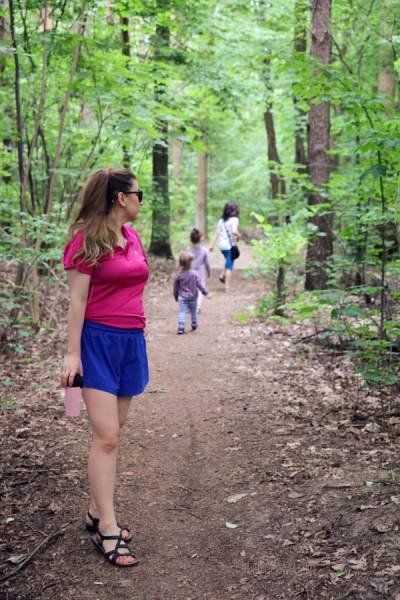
pixel 176 159
pixel 7 142
pixel 301 10
pixel 18 108
pixel 278 186
pixel 320 247
pixel 160 243
pixel 64 109
pixel 126 51
pixel 202 185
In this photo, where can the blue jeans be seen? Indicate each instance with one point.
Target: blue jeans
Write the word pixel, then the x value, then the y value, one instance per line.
pixel 184 307
pixel 228 259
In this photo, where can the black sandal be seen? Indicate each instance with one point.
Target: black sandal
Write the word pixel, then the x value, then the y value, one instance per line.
pixel 112 555
pixel 94 527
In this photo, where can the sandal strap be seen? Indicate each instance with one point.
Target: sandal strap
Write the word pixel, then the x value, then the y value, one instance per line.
pixel 94 519
pixel 109 537
pixel 123 527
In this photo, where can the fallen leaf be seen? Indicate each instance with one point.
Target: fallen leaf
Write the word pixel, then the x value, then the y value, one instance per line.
pixel 231 525
pixel 72 474
pixel 358 565
pixel 236 497
pixel 295 495
pixel 381 527
pixel 16 559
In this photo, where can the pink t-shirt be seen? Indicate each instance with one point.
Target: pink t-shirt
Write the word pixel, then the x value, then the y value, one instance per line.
pixel 116 282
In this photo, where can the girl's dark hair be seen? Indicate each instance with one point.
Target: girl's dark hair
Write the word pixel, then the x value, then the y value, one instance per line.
pixel 230 210
pixel 195 236
pixel 185 260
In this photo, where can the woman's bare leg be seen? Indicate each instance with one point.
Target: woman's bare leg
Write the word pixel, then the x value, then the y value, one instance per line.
pixel 228 277
pixel 123 408
pixel 104 420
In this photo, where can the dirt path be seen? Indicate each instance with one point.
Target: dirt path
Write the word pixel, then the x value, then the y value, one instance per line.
pixel 238 426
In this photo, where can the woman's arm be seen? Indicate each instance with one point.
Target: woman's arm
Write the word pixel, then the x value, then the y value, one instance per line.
pixel 79 288
pixel 211 247
pixel 235 229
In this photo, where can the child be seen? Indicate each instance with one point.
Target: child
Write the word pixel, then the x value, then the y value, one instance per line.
pixel 201 262
pixel 186 289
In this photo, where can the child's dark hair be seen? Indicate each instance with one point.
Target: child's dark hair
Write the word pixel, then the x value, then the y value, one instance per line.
pixel 185 260
pixel 195 235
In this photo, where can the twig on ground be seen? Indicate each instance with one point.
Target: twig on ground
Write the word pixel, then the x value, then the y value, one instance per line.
pixel 308 337
pixel 28 559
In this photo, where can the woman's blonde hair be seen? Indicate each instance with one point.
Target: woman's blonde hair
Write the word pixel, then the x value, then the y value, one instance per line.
pixel 97 199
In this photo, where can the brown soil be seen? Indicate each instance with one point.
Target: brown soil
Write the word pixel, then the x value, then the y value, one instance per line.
pixel 239 425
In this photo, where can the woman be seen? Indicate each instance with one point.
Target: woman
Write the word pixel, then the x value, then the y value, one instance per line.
pixel 107 272
pixel 227 234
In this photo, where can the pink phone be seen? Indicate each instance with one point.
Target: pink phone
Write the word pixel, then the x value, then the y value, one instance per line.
pixel 72 398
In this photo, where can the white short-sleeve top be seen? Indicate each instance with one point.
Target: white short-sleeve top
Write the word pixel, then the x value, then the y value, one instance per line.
pixel 226 239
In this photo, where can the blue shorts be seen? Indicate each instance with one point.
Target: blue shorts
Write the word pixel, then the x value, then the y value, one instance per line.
pixel 114 359
pixel 228 259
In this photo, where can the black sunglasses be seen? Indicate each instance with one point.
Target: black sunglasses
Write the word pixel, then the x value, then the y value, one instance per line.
pixel 139 194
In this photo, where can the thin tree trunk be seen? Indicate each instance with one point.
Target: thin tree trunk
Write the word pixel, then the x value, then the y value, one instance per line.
pixel 38 117
pixel 176 159
pixel 278 186
pixel 64 109
pixel 320 247
pixel 126 51
pixel 301 10
pixel 4 36
pixel 160 243
pixel 202 181
pixel 18 108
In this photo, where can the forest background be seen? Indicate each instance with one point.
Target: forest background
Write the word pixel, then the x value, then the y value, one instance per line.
pixel 289 108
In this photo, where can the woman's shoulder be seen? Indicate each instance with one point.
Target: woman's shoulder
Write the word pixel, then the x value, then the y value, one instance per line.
pixel 71 260
pixel 131 232
pixel 75 242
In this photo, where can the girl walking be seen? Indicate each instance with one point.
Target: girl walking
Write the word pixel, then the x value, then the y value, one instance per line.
pixel 107 272
pixel 186 289
pixel 201 262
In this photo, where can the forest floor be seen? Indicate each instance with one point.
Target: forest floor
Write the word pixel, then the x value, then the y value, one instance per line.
pixel 244 472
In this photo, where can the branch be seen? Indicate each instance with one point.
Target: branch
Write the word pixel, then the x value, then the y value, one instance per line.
pixel 28 559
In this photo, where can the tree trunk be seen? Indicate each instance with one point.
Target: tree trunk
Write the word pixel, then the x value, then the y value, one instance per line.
pixel 64 109
pixel 301 10
pixel 18 108
pixel 320 247
pixel 202 193
pixel 4 37
pixel 160 243
pixel 176 159
pixel 126 51
pixel 278 185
